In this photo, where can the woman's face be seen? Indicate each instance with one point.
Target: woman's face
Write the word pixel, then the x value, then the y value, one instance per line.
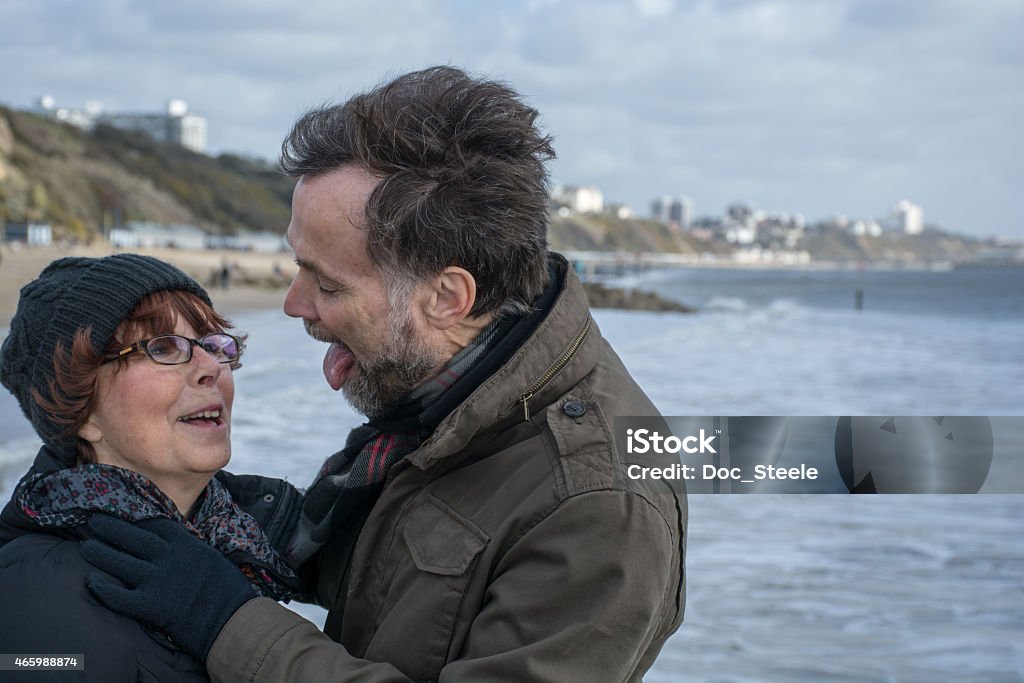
pixel 141 420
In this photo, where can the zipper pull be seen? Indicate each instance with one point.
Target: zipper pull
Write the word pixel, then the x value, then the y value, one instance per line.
pixel 526 407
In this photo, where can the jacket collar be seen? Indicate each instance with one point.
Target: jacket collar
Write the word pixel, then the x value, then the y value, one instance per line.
pixel 562 350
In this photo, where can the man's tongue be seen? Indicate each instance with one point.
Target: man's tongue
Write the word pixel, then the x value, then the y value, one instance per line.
pixel 337 364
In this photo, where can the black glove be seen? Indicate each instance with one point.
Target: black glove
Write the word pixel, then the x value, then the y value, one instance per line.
pixel 173 581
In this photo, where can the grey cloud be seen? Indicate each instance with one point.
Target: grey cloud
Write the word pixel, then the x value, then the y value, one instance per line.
pixel 802 106
pixel 880 15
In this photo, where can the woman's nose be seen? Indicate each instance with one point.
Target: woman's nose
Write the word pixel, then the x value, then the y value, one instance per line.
pixel 206 367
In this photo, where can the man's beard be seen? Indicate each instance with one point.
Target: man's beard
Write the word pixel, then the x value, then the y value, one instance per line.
pixel 378 383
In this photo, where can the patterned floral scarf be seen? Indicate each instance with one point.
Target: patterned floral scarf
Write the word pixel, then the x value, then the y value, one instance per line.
pixel 68 497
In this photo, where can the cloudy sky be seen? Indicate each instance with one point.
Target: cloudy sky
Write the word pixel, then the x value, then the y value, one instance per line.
pixel 800 106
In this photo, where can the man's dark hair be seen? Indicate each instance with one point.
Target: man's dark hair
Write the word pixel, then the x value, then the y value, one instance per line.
pixel 463 181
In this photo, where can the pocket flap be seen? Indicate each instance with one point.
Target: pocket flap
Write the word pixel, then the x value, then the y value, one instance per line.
pixel 441 540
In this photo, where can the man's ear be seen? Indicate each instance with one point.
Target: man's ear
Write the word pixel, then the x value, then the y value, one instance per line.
pixel 450 298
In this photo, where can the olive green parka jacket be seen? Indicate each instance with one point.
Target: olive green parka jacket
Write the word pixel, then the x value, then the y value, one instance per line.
pixel 511 546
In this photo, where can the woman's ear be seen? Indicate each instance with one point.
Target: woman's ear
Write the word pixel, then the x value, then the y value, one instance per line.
pixel 91 432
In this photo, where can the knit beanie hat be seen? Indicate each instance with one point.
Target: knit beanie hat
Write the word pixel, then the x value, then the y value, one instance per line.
pixel 69 295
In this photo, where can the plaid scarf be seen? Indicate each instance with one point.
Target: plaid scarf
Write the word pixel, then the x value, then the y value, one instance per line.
pixel 68 497
pixel 350 481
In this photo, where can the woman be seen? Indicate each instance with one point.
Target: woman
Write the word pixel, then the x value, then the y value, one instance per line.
pixel 125 371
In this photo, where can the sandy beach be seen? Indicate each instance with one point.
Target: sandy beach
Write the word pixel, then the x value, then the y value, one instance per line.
pixel 258 280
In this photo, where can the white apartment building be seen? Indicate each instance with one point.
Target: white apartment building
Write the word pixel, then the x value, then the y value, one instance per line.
pixel 579 199
pixel 680 212
pixel 177 125
pixel 670 210
pixel 909 217
pixel 866 228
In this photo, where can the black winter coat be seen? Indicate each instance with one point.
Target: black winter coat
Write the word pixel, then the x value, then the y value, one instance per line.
pixel 47 609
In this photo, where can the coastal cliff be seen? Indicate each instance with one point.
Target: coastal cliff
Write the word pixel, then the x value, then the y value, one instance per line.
pixel 85 183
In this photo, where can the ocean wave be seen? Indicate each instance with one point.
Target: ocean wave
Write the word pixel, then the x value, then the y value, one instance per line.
pixel 726 304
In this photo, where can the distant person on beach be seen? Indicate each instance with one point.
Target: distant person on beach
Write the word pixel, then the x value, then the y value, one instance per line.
pixel 125 371
pixel 224 275
pixel 479 526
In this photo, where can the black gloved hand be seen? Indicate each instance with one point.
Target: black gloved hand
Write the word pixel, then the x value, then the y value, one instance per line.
pixel 174 582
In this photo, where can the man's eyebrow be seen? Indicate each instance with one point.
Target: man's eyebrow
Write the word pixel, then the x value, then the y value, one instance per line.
pixel 306 265
pixel 311 267
pixel 300 262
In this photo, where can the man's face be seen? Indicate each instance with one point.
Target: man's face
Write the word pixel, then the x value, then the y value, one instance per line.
pixel 377 354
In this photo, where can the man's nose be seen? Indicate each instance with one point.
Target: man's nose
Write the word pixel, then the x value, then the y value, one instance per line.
pixel 297 301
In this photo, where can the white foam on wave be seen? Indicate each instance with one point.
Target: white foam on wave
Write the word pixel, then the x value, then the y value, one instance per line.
pixel 726 304
pixel 782 307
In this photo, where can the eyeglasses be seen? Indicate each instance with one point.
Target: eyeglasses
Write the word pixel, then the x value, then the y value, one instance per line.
pixel 173 349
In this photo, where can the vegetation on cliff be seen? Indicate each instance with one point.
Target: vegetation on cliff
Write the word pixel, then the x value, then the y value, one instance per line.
pixel 599 232
pixel 84 183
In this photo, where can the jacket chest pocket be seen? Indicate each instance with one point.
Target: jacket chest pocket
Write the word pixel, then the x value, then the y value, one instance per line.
pixel 428 575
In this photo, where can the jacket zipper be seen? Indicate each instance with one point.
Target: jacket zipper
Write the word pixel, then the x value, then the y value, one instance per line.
pixel 574 346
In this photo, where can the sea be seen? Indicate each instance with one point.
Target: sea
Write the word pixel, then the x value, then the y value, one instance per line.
pixel 781 588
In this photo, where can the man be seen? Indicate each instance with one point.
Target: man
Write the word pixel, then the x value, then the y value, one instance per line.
pixel 479 526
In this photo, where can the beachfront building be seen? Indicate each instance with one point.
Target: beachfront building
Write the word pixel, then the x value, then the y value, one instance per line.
pixel 660 208
pixel 862 228
pixel 756 254
pixel 32 234
pixel 264 242
pixel 680 212
pixel 677 212
pixel 778 231
pixel 619 210
pixel 137 234
pixel 578 199
pixel 85 118
pixel 736 233
pixel 176 125
pixel 742 213
pixel 909 217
